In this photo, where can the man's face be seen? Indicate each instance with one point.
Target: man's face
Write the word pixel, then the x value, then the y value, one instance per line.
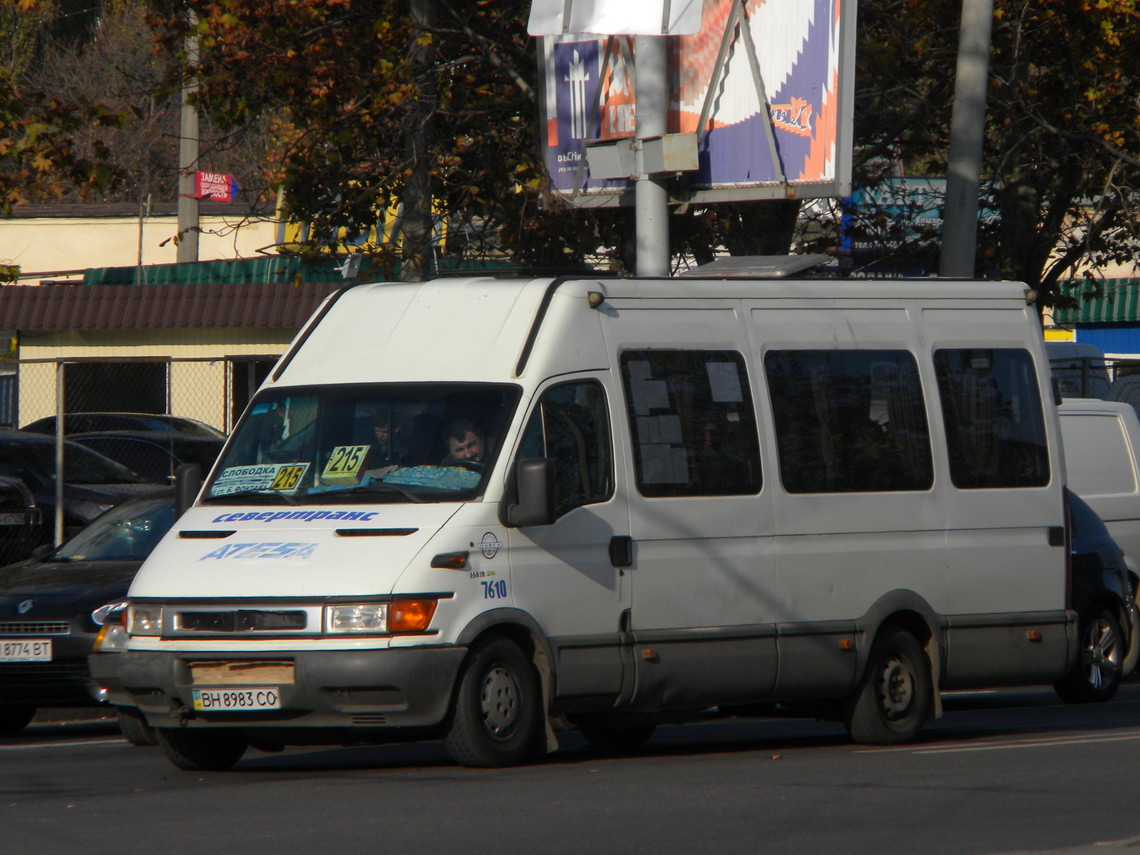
pixel 468 448
pixel 382 433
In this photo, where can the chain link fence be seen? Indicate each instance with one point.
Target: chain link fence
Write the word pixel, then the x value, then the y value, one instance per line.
pixel 74 415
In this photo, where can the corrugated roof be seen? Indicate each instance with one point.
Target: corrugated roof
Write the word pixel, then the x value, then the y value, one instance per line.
pixel 273 305
pixel 1103 301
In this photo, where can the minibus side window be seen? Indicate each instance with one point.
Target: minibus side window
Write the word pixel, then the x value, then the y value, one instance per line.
pixel 571 425
pixel 995 429
pixel 849 421
pixel 692 422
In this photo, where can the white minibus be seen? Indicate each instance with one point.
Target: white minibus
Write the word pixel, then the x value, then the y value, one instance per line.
pixel 486 510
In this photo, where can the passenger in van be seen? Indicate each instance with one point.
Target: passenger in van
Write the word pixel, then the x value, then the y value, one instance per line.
pixel 465 442
pixel 381 454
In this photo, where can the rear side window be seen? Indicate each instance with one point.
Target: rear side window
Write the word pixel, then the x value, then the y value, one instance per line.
pixel 995 429
pixel 849 421
pixel 692 422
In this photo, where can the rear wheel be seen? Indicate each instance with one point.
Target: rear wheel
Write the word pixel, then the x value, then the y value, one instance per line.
pixel 14 718
pixel 133 725
pixel 201 750
pixel 497 715
pixel 1100 662
pixel 893 699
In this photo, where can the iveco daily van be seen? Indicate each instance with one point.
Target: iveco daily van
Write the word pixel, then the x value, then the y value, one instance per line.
pixel 476 508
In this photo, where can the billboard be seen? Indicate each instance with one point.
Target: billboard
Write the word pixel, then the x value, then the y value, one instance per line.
pixel 765 84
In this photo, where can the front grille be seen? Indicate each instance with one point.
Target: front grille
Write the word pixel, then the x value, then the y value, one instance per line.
pixel 36 674
pixel 35 627
pixel 242 620
pixel 367 719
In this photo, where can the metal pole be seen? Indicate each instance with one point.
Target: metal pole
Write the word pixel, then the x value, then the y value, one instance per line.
pixel 188 156
pixel 60 471
pixel 967 131
pixel 650 197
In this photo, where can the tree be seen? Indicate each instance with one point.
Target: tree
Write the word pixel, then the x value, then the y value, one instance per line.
pixel 1062 153
pixel 39 153
pixel 377 103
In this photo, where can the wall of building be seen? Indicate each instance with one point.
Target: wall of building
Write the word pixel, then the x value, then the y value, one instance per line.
pixel 201 365
pixel 50 247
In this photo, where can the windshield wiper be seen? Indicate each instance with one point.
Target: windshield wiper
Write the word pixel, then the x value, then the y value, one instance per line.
pixel 374 487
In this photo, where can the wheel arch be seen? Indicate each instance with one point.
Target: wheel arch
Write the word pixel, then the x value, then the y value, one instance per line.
pixel 910 611
pixel 521 628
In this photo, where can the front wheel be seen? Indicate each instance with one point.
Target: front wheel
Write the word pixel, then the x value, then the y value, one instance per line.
pixel 1100 662
pixel 133 725
pixel 497 715
pixel 201 750
pixel 893 699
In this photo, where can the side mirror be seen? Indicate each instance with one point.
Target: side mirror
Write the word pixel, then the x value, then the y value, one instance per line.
pixel 42 551
pixel 530 494
pixel 187 483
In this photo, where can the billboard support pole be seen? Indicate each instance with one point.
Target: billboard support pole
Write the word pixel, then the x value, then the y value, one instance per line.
pixel 967 134
pixel 651 200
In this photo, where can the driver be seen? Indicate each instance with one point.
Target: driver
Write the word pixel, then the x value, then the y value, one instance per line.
pixel 466 442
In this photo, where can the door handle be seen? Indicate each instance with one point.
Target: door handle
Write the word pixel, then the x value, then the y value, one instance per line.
pixel 621 550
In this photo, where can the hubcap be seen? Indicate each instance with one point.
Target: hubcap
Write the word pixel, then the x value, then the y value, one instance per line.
pixel 896 690
pixel 1101 654
pixel 500 701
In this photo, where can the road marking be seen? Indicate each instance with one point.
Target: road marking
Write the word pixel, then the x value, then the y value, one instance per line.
pixel 1036 742
pixel 110 740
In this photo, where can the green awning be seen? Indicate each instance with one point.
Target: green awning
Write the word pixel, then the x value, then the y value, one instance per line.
pixel 278 268
pixel 1100 301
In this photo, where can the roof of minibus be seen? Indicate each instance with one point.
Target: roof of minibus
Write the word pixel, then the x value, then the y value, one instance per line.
pixel 482 328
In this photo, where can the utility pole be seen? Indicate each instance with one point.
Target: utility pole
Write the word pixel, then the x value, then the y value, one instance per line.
pixel 967 133
pixel 187 240
pixel 651 199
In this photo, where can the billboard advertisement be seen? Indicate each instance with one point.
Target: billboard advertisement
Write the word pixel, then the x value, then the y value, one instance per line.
pixel 776 110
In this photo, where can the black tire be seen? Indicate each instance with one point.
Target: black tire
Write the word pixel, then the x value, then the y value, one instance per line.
pixel 134 727
pixel 201 750
pixel 1099 668
pixel 14 718
pixel 617 738
pixel 497 712
pixel 894 697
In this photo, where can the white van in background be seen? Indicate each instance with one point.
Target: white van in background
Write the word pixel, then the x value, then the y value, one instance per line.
pixel 1102 458
pixel 468 508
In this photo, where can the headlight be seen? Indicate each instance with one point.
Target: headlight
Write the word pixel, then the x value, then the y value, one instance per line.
pixel 397 616
pixel 112 638
pixel 356 617
pixel 144 620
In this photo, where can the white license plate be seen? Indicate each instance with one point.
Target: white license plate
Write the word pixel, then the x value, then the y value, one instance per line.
pixel 237 700
pixel 25 650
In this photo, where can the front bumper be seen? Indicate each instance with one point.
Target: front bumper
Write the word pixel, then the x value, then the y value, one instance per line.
pixel 403 688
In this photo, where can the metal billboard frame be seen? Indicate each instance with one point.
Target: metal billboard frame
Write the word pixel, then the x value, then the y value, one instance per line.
pixel 778 130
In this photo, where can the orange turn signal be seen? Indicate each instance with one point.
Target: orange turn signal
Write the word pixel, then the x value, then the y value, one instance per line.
pixel 411 615
pixel 450 560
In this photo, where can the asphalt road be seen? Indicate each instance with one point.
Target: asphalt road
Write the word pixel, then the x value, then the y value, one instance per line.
pixel 1001 772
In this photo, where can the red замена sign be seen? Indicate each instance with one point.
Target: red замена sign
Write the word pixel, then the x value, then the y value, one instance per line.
pixel 215 185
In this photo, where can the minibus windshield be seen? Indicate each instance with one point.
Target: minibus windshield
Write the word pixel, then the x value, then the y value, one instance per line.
pixel 396 442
